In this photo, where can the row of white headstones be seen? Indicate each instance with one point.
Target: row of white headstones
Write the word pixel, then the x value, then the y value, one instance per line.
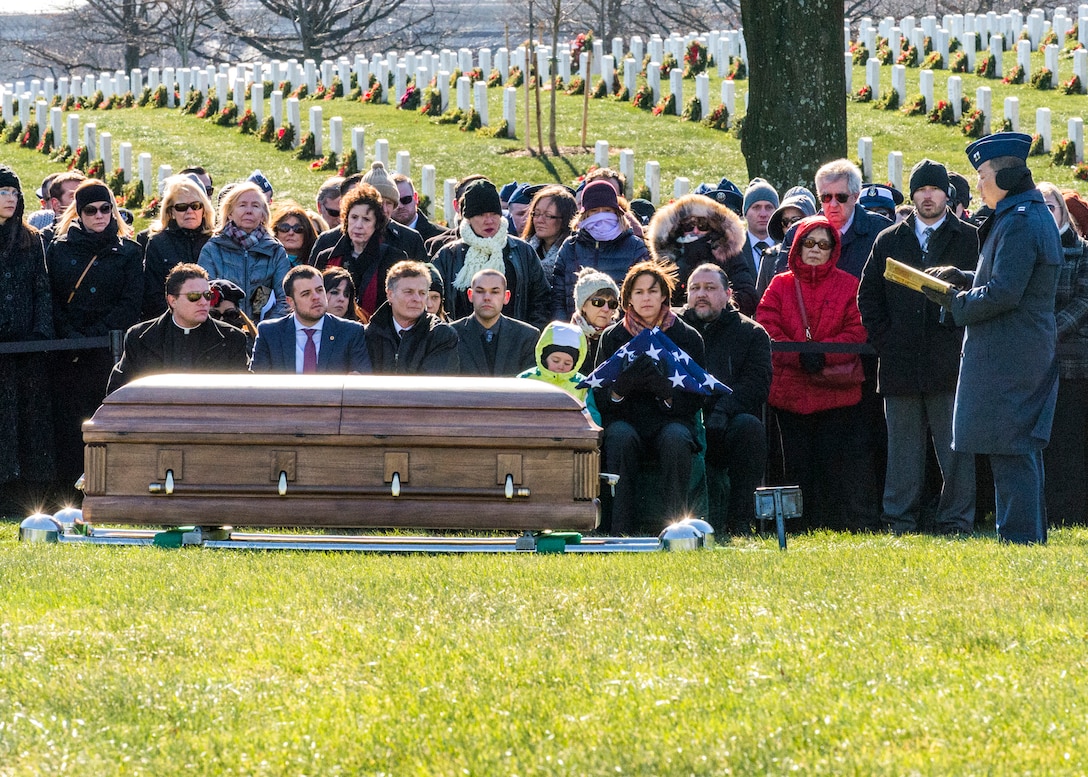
pixel 242 81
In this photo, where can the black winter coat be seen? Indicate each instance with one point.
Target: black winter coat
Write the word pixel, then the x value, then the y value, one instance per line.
pixel 165 249
pixel 738 353
pixel 918 353
pixel 111 293
pixel 428 348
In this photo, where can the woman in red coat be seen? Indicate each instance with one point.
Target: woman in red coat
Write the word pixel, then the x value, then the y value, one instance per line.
pixel 817 415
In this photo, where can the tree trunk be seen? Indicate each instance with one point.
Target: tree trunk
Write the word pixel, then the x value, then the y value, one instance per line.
pixel 796 118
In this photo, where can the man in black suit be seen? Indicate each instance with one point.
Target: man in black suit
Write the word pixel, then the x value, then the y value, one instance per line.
pixel 309 340
pixel 491 343
pixel 184 338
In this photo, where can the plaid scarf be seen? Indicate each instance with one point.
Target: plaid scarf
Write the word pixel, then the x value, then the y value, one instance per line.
pixel 247 240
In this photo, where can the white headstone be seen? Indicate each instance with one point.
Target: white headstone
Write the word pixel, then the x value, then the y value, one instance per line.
pixel 848 64
pixel 222 88
pixel 1082 25
pixel 275 103
pixel 309 68
pixel 1023 55
pixel 1080 65
pixel 381 152
pixel 400 82
pixel 41 114
pixel 509 110
pixel 126 161
pixel 984 102
pixel 502 64
pixel 955 95
pixel 617 49
pixel 653 79
pixel 608 71
pixel 969 49
pixel 336 135
pixel 630 77
pixel 865 154
pixel 73 131
pixel 153 79
pixel 653 181
pixel 143 163
pixel 444 88
pixel 105 142
pixel 583 68
pixel 638 48
pixel 1076 137
pixel 899 82
pixel 598 56
pixel 872 75
pixel 627 170
pixel 464 94
pixel 1050 61
pixel 676 87
pixel 316 129
pixel 328 69
pixel 90 141
pixel 925 86
pixel 997 48
pixel 449 197
pixel 1012 112
pixel 600 153
pixel 294 119
pixel 56 123
pixel 895 169
pixel 239 96
pixel 480 87
pixel 680 187
pixel 1042 126
pixel 165 171
pixel 564 64
pixel 427 178
pixel 485 61
pixel 256 99
pixel 464 60
pixel 358 145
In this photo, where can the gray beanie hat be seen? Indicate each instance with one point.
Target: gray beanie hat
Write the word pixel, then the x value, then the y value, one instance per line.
pixel 759 191
pixel 589 282
pixel 377 177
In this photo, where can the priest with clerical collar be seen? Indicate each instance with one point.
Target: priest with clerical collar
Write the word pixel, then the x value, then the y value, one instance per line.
pixel 184 338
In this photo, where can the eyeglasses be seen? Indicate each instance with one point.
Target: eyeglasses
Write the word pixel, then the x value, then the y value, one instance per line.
pixel 600 302
pixel 12 193
pixel 196 296
pixel 90 210
pixel 230 315
pixel 823 245
pixel 283 229
pixel 789 221
pixel 334 212
pixel 698 222
pixel 544 216
pixel 407 199
pixel 840 197
pixel 181 207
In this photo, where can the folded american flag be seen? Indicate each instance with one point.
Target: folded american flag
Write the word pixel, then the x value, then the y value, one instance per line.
pixel 679 368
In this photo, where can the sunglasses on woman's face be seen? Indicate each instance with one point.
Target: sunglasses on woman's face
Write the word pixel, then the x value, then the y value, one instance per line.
pixel 823 245
pixel 283 229
pixel 195 296
pixel 91 210
pixel 600 302
pixel 181 207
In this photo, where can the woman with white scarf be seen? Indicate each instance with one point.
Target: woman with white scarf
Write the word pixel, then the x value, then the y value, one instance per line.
pixel 484 244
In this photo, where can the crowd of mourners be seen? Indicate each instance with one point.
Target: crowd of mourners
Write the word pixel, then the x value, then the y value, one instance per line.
pixel 861 390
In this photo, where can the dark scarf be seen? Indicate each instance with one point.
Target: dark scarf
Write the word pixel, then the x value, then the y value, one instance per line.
pixel 634 324
pixel 97 241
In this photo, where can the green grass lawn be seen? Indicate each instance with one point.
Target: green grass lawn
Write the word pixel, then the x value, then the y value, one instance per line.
pixel 844 655
pixel 682 148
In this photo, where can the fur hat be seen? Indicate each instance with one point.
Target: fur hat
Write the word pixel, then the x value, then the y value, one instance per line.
pixel 377 177
pixel 666 226
pixel 590 281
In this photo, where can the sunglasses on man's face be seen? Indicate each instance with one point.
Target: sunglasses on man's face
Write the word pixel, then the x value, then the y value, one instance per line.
pixel 407 199
pixel 600 302
pixel 840 197
pixel 283 229
pixel 334 212
pixel 181 207
pixel 196 296
pixel 91 210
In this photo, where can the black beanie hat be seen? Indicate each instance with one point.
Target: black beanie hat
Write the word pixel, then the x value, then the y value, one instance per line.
pixel 928 173
pixel 548 350
pixel 8 178
pixel 92 191
pixel 479 198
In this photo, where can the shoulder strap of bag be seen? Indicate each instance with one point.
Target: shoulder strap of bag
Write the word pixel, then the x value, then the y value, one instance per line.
pixel 82 275
pixel 801 304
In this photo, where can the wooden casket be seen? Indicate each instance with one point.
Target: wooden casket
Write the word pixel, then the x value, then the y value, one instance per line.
pixel 356 451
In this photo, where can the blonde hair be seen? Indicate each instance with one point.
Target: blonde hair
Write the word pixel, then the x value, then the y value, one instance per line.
pixel 71 215
pixel 1045 188
pixel 230 200
pixel 179 188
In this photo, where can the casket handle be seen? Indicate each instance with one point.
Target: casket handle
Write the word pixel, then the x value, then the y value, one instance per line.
pixel 169 482
pixel 395 487
pixel 509 486
pixel 281 487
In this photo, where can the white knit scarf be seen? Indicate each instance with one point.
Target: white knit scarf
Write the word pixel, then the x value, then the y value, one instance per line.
pixel 484 253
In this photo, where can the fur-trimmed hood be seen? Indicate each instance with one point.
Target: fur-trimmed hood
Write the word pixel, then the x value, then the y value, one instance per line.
pixel 664 227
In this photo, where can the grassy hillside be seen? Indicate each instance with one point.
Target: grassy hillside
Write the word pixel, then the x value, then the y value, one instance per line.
pixel 682 148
